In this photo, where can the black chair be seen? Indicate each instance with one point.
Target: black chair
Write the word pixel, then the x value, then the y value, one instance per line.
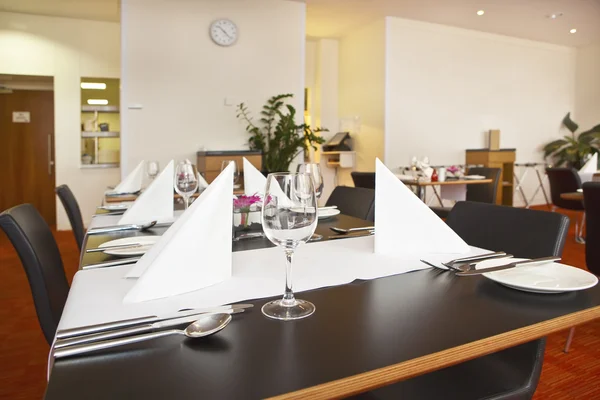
pixel 508 374
pixel 591 200
pixel 483 193
pixel 566 180
pixel 37 249
pixel 364 179
pixel 71 206
pixel 354 201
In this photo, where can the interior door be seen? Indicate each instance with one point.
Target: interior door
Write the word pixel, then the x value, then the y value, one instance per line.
pixel 27 151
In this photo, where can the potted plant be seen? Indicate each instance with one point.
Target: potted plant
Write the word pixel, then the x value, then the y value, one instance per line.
pixel 277 135
pixel 573 151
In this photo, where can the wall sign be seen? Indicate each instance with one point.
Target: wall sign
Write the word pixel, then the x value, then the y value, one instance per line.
pixel 21 117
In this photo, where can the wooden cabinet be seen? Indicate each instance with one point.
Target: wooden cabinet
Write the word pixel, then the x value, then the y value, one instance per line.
pixel 209 162
pixel 503 159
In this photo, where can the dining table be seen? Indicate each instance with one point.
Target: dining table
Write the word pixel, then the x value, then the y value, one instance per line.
pixel 572 196
pixel 364 335
pixel 421 185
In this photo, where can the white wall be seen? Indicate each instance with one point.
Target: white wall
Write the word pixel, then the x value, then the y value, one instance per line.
pixel 66 49
pixel 587 94
pixel 362 89
pixel 172 68
pixel 446 86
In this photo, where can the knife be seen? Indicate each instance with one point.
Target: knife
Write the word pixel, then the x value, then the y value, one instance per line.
pixel 114 263
pixel 535 261
pixel 149 319
pixel 134 330
pixel 334 237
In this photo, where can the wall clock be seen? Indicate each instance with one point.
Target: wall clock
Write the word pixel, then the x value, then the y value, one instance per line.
pixel 223 32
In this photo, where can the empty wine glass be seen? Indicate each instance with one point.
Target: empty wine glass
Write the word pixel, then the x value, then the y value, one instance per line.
pixel 152 169
pixel 236 173
pixel 186 180
pixel 289 218
pixel 314 171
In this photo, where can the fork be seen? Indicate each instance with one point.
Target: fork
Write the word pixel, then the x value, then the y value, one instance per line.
pixel 464 264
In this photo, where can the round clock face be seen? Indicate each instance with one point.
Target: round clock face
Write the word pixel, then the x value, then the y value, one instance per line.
pixel 223 32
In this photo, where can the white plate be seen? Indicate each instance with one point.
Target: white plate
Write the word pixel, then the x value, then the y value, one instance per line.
pixel 117 207
pixel 545 278
pixel 473 177
pixel 145 241
pixel 324 214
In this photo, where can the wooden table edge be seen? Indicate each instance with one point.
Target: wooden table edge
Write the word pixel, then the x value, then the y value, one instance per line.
pixel 449 183
pixel 394 373
pixel 572 196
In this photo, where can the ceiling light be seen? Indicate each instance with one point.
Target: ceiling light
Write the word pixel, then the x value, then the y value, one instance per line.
pixel 480 12
pixel 573 30
pixel 97 102
pixel 93 85
pixel 555 15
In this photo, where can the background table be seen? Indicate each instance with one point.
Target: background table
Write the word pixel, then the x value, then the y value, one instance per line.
pixel 572 196
pixel 422 185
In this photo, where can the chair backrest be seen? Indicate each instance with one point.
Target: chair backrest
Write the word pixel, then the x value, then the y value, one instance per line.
pixel 591 199
pixel 484 193
pixel 364 179
pixel 517 231
pixel 564 180
pixel 71 206
pixel 354 201
pixel 37 249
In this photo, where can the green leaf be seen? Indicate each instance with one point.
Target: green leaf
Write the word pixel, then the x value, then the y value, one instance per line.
pixel 568 122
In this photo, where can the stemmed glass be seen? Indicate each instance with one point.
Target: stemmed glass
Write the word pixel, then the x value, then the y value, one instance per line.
pixel 152 169
pixel 236 173
pixel 314 171
pixel 289 218
pixel 186 180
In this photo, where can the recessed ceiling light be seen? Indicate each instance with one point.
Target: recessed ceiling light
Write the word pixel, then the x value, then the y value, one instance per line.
pixel 97 102
pixel 555 15
pixel 573 30
pixel 480 12
pixel 93 85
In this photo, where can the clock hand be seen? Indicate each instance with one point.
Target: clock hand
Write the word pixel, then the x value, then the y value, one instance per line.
pixel 226 34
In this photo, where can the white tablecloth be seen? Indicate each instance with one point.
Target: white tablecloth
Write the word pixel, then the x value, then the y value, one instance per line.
pixel 96 296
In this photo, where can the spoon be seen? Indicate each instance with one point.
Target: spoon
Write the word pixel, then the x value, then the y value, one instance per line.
pixel 204 326
pixel 346 231
pixel 116 228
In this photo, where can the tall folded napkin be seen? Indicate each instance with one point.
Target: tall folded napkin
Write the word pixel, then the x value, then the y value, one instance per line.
pixel 132 182
pixel 195 252
pixel 591 165
pixel 406 225
pixel 155 203
pixel 202 184
pixel 254 180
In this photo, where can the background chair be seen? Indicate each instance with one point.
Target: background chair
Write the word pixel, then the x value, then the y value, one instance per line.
pixel 364 179
pixel 483 193
pixel 508 374
pixel 354 201
pixel 38 251
pixel 566 180
pixel 71 206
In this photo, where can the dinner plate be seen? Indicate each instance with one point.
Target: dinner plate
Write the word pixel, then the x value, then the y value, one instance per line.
pixel 145 241
pixel 117 207
pixel 545 278
pixel 473 177
pixel 328 213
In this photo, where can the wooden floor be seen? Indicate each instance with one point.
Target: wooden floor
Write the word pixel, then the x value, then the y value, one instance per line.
pixel 23 348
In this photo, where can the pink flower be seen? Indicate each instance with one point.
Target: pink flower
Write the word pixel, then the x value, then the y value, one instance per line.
pixel 243 202
pixel 452 169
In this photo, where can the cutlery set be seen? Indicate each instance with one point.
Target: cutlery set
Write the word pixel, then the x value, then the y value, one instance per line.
pixel 202 322
pixel 467 266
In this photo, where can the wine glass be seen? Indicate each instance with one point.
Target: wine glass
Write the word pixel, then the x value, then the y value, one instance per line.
pixel 152 169
pixel 314 171
pixel 186 180
pixel 289 218
pixel 236 173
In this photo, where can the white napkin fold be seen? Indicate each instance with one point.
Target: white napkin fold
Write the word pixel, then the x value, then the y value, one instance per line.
pixel 202 184
pixel 132 182
pixel 155 203
pixel 406 225
pixel 195 252
pixel 254 180
pixel 591 165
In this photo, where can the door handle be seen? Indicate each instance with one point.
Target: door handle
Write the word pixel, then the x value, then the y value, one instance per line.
pixel 50 161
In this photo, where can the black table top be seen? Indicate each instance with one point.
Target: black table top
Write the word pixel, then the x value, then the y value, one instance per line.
pixel 356 328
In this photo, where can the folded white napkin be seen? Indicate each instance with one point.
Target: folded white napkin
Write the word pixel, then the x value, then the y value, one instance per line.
pixel 254 180
pixel 133 182
pixel 155 203
pixel 591 165
pixel 406 225
pixel 202 184
pixel 195 252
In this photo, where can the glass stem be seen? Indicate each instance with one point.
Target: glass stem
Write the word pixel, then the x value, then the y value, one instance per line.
pixel 186 201
pixel 288 297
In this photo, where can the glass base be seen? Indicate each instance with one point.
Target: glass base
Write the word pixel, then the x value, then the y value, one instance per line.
pixel 297 310
pixel 315 237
